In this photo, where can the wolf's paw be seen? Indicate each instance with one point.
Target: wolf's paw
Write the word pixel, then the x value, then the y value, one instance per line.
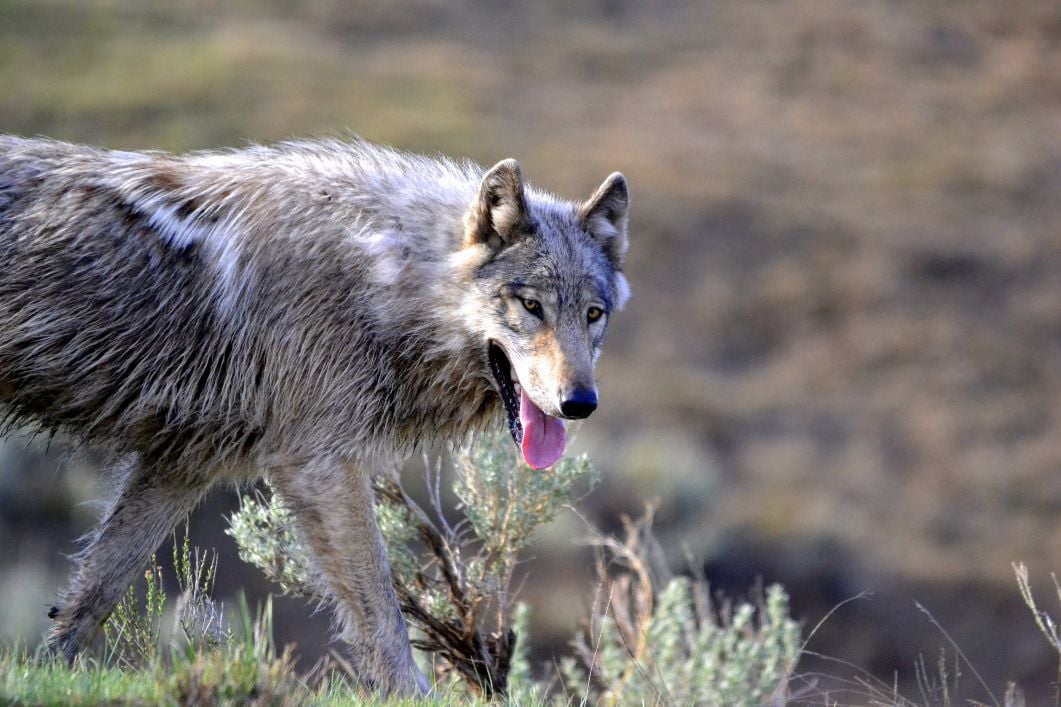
pixel 67 636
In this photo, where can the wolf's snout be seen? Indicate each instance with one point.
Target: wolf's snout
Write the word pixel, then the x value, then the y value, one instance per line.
pixel 580 403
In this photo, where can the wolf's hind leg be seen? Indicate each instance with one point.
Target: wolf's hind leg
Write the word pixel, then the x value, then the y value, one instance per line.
pixel 144 513
pixel 332 503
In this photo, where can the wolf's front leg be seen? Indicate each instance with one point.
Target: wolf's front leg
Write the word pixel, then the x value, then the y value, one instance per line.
pixel 150 504
pixel 332 502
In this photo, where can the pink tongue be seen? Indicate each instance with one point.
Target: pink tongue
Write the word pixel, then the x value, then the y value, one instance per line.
pixel 544 437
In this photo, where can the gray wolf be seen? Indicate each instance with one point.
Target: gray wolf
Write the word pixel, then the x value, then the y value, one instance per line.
pixel 302 312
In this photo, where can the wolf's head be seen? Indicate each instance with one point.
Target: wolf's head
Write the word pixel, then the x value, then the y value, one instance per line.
pixel 548 277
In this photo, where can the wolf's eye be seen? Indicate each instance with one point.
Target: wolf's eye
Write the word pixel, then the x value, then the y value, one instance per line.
pixel 594 313
pixel 531 305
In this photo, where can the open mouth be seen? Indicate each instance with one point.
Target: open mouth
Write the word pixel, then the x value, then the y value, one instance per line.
pixel 540 436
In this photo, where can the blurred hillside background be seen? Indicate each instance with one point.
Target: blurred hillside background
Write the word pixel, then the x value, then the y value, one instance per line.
pixel 841 367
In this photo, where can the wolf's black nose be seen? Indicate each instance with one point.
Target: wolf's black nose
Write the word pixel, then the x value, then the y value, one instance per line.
pixel 580 404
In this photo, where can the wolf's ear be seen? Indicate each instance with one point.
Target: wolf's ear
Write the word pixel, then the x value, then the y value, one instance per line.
pixel 499 214
pixel 604 217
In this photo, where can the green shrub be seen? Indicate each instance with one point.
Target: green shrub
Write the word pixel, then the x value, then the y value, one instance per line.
pixel 453 580
pixel 653 639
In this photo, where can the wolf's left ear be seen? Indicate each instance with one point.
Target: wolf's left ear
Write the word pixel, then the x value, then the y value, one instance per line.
pixel 604 217
pixel 499 214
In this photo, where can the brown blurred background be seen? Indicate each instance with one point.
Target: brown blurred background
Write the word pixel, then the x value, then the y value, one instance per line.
pixel 841 368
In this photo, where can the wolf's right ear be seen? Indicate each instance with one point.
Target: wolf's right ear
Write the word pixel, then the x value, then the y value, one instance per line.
pixel 499 214
pixel 604 217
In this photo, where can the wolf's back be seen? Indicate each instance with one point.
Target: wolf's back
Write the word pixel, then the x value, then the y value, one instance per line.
pixel 96 312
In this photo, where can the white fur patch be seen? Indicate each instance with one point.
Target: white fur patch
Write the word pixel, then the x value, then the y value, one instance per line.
pixel 622 290
pixel 226 252
pixel 384 249
pixel 175 231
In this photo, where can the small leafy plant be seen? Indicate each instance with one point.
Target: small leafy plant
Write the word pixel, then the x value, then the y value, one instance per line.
pixel 656 639
pixel 453 580
pixel 210 664
pixel 132 636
